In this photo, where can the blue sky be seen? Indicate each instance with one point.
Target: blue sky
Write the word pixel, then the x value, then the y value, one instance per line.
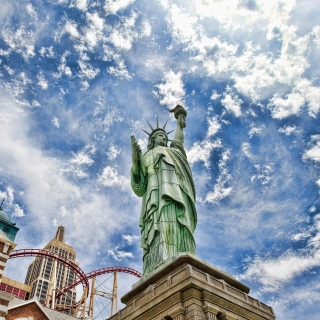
pixel 79 77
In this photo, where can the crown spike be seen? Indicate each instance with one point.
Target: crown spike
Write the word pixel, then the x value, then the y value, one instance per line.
pixel 146 132
pixel 165 125
pixel 157 129
pixel 150 125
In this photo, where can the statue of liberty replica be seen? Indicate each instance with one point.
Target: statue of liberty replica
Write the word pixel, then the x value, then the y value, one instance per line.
pixel 163 178
pixel 176 284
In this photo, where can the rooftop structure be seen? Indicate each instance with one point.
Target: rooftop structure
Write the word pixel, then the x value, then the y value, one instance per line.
pixel 9 228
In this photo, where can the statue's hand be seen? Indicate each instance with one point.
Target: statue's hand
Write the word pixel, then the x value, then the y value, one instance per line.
pixel 182 121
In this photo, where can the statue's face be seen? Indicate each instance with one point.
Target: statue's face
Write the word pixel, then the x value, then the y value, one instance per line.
pixel 160 140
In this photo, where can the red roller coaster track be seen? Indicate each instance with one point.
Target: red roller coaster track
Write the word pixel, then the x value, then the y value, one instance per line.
pixel 45 253
pixel 101 272
pixel 83 278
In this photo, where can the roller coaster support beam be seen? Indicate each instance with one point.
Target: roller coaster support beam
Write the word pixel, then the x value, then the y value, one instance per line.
pixel 114 292
pixel 91 302
pixel 54 283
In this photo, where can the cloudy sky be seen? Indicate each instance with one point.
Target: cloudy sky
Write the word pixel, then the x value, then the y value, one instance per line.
pixel 79 77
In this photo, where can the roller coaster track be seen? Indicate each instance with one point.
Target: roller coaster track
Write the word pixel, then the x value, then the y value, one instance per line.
pixel 45 253
pixel 82 277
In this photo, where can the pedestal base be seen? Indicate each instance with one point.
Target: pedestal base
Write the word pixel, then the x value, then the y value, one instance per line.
pixel 188 288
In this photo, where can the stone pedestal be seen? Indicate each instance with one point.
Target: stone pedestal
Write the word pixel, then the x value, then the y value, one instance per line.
pixel 188 288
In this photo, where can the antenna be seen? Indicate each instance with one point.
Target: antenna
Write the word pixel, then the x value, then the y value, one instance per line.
pixel 1 207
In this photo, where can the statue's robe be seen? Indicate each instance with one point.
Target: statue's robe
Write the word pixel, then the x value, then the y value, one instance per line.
pixel 168 215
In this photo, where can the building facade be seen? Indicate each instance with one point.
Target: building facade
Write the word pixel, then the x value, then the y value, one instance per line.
pixel 16 288
pixel 33 310
pixel 8 231
pixel 40 273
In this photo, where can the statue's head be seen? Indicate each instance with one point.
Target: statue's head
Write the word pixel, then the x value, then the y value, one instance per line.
pixel 157 137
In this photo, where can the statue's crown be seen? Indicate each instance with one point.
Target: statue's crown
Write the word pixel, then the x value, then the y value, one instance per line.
pixel 157 129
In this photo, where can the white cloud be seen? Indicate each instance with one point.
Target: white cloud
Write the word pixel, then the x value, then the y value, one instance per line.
pixel 119 70
pixel 288 130
pixel 47 52
pixel 214 126
pixel 232 103
pixel 72 29
pixel 113 6
pixel 220 191
pixel 313 153
pixel 55 122
pixel 42 81
pixel 123 35
pixel 214 95
pixel 216 55
pixel 311 94
pixel 21 41
pixel 253 72
pixel 63 211
pixel 81 158
pixel 283 108
pixel 31 11
pixel 201 151
pixel 264 173
pixel 111 116
pixel 246 149
pixel 130 239
pixel 120 255
pixel 79 162
pixel 84 85
pixel 113 152
pixel 63 68
pixel 110 177
pixel 171 90
pixel 79 4
pixel 255 130
pixel 146 29
pixel 300 236
pixel 93 32
pixel 87 71
pixel 9 70
pixel 183 25
pixel 274 272
pixel 10 204
pixel 220 10
pixel 18 211
pixel 10 196
pixel 257 71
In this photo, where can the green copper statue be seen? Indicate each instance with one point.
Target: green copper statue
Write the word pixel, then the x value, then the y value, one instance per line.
pixel 162 177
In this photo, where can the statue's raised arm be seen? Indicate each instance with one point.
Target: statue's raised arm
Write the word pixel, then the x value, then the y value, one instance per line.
pixel 180 114
pixel 168 214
